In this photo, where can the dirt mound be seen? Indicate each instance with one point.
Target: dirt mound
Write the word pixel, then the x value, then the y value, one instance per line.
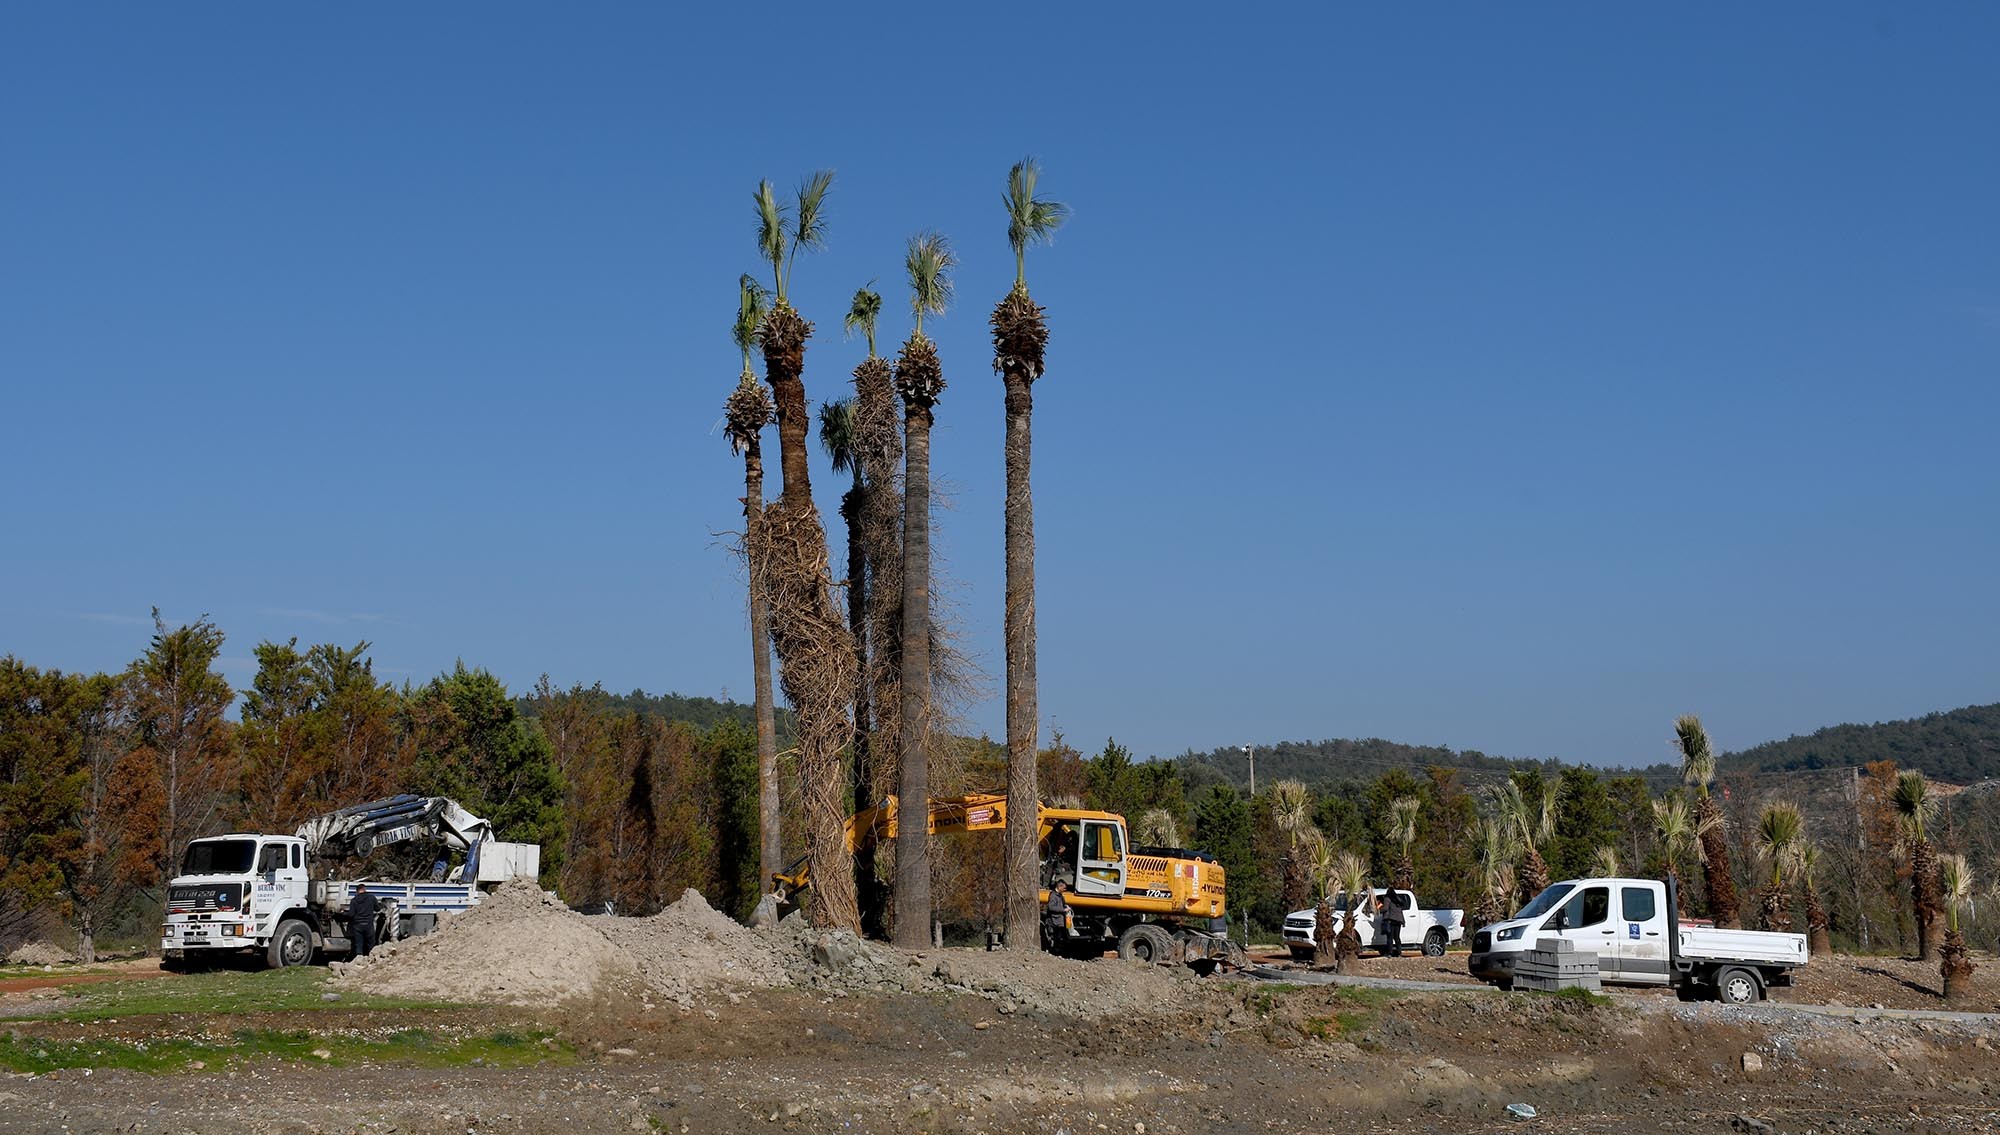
pixel 40 954
pixel 519 946
pixel 690 947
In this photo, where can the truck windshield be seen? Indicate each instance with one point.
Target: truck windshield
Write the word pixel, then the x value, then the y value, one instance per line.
pixel 1546 901
pixel 219 857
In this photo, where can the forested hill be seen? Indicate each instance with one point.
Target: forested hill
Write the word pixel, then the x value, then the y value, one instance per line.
pixel 1958 746
pixel 702 713
pixel 1317 762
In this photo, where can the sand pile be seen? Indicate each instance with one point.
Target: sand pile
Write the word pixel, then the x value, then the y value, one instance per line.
pixel 519 946
pixel 690 947
pixel 40 954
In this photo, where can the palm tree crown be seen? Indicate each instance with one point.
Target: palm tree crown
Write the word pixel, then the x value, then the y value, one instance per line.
pixel 862 313
pixel 751 302
pixel 1914 802
pixel 836 434
pixel 1955 885
pixel 784 230
pixel 1030 219
pixel 1697 759
pixel 1780 829
pixel 928 263
pixel 1400 825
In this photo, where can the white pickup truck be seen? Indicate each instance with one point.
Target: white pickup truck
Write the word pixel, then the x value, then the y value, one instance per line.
pixel 1428 930
pixel 1633 928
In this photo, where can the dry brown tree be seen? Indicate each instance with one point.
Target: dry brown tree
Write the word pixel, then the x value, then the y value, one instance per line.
pixel 815 652
pixel 745 414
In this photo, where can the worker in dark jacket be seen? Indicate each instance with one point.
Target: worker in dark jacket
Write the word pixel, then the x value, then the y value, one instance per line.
pixel 361 920
pixel 1392 922
pixel 1055 916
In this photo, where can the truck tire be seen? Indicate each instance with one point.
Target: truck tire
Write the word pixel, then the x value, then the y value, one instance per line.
pixel 1434 943
pixel 1738 986
pixel 291 945
pixel 1145 943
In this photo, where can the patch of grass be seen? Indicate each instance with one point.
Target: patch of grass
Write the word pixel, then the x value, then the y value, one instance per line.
pixel 1367 996
pixel 413 1047
pixel 260 991
pixel 1577 995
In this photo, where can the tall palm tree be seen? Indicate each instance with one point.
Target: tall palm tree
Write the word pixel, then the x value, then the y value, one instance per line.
pixel 920 379
pixel 1495 844
pixel 1400 825
pixel 837 438
pixel 878 443
pixel 1350 869
pixel 1316 852
pixel 1698 772
pixel 815 656
pixel 1916 805
pixel 1533 823
pixel 1291 812
pixel 1020 338
pixel 1780 835
pixel 1955 883
pixel 1819 939
pixel 747 412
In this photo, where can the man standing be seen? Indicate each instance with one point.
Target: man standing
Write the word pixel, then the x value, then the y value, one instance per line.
pixel 1055 917
pixel 361 920
pixel 1392 922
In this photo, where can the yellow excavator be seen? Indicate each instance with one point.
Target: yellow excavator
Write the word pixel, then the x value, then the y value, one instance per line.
pixel 1153 904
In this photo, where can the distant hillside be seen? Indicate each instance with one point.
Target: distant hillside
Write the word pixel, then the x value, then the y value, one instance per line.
pixel 702 713
pixel 1959 746
pixel 1317 762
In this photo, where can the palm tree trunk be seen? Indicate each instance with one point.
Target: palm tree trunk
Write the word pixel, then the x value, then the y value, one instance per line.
pixel 1818 940
pixel 1720 883
pixel 868 890
pixel 1775 912
pixel 1954 967
pixel 771 857
pixel 878 447
pixel 1325 946
pixel 1924 895
pixel 913 860
pixel 1023 879
pixel 1406 871
pixel 814 654
pixel 1533 876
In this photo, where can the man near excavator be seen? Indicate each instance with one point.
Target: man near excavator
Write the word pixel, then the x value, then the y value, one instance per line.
pixel 1055 916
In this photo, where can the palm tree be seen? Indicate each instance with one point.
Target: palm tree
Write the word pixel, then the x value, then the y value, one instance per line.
pixel 1350 869
pixel 1317 854
pixel 1020 338
pixel 1605 863
pixel 1780 834
pixel 1495 845
pixel 1157 829
pixel 1678 835
pixel 920 379
pixel 815 655
pixel 1291 812
pixel 836 438
pixel 1818 938
pixel 747 412
pixel 1533 824
pixel 1698 772
pixel 1955 879
pixel 1915 806
pixel 878 444
pixel 1400 825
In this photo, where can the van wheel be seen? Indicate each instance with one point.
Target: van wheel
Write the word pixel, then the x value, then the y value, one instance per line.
pixel 292 945
pixel 1434 943
pixel 1735 986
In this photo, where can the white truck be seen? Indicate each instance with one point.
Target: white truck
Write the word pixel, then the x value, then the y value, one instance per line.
pixel 270 895
pixel 1428 930
pixel 1634 929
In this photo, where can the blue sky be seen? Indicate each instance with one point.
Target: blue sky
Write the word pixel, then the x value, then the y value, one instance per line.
pixel 1500 377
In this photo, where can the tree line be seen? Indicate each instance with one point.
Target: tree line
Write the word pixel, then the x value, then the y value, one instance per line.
pixel 105 778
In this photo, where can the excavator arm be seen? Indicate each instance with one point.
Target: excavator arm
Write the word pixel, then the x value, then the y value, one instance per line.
pixel 973 812
pixel 362 828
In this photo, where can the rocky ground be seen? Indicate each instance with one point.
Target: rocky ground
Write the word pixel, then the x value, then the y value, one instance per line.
pixel 808 1032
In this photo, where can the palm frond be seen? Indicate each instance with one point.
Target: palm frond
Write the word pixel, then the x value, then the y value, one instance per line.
pixel 1780 828
pixel 810 233
pixel 1030 220
pixel 1914 801
pixel 1605 863
pixel 1400 823
pixel 1697 758
pixel 928 263
pixel 1350 870
pixel 836 433
pixel 862 312
pixel 1548 809
pixel 774 233
pixel 1291 807
pixel 1157 829
pixel 752 300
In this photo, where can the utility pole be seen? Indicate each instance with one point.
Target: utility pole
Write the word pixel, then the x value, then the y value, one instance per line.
pixel 1251 752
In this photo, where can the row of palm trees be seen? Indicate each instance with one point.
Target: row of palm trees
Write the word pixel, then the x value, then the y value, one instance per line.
pixel 862 684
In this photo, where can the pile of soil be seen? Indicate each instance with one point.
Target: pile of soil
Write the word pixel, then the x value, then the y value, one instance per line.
pixel 691 947
pixel 519 946
pixel 40 954
pixel 1860 981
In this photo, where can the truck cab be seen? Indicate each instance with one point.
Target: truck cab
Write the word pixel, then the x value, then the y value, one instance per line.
pixel 233 891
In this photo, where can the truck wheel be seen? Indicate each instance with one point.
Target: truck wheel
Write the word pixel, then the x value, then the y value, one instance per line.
pixel 1434 943
pixel 292 945
pixel 1736 986
pixel 1145 943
